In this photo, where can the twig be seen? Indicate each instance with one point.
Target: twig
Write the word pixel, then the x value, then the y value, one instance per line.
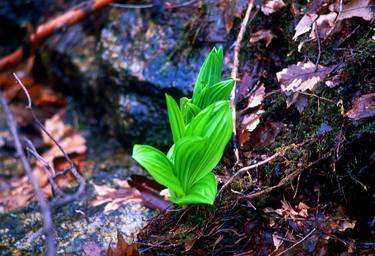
pixel 244 169
pixel 234 76
pixel 44 206
pixel 319 97
pixel 319 47
pixel 284 180
pixel 47 29
pixel 45 166
pixel 64 198
pixel 67 197
pixel 132 6
pixel 300 241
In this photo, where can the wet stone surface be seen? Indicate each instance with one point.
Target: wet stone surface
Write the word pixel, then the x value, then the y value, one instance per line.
pixel 127 66
pixel 78 223
pixel 139 49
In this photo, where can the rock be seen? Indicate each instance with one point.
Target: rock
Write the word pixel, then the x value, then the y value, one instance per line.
pixel 143 53
pixel 140 119
pixel 15 16
pixel 127 66
pixel 78 223
pixel 70 60
pixel 142 62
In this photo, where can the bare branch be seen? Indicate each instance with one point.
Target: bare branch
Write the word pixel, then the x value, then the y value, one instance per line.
pixel 67 197
pixel 237 48
pixel 44 206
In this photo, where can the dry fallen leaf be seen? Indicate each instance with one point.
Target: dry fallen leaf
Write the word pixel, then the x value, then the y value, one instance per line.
pixel 363 108
pixel 276 241
pixel 72 144
pixel 271 6
pixel 115 197
pixel 325 23
pixel 151 192
pixel 232 9
pixel 56 127
pixel 264 35
pixel 251 121
pixel 301 77
pixel 189 244
pixel 256 97
pixel 246 84
pixel 122 248
pixel 264 135
pixel 304 25
pixel 248 124
pixel 357 8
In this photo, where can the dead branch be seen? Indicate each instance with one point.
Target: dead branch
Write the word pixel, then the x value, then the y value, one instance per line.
pixel 63 198
pixel 45 30
pixel 297 243
pixel 45 208
pixel 250 167
pixel 66 198
pixel 237 48
pixel 284 181
pixel 319 47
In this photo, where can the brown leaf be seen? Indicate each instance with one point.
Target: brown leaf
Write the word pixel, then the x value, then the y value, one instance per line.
pixel 251 121
pixel 246 83
pixel 150 191
pixel 264 35
pixel 189 244
pixel 357 8
pixel 304 25
pixel 325 23
pixel 43 95
pixel 276 240
pixel 122 248
pixel 232 9
pixel 271 6
pixel 256 97
pixel 115 197
pixel 301 77
pixel 347 224
pixel 264 135
pixel 248 124
pixel 91 248
pixel 72 144
pixel 56 127
pixel 363 108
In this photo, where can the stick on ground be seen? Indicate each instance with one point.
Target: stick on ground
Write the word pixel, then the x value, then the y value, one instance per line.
pixel 45 208
pixel 236 61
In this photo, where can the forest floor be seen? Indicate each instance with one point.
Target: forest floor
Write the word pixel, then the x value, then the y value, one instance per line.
pixel 304 182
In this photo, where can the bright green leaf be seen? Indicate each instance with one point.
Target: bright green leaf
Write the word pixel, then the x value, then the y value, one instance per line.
pixel 203 192
pixel 188 153
pixel 158 165
pixel 176 120
pixel 210 72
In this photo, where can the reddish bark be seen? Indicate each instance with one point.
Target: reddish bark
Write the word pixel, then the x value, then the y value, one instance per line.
pixel 47 29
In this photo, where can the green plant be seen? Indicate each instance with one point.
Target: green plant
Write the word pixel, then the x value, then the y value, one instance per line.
pixel 201 128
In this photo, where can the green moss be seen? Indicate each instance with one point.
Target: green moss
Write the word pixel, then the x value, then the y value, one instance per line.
pixel 367 128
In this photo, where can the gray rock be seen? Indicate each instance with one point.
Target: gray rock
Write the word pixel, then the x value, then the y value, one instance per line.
pixel 143 53
pixel 128 65
pixel 78 223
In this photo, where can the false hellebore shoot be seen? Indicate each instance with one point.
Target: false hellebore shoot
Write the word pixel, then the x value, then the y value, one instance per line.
pixel 201 128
